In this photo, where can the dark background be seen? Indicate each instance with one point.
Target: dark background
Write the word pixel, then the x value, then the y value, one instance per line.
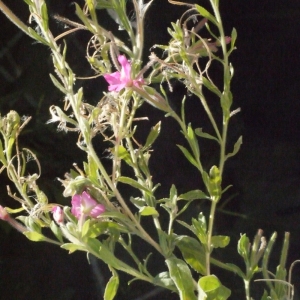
pixel 265 174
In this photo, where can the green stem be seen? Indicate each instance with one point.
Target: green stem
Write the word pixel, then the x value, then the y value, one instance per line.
pixel 209 235
pixel 223 138
pixel 247 288
pixel 120 199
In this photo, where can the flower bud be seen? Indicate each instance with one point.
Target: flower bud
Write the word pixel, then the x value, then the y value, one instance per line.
pixel 58 214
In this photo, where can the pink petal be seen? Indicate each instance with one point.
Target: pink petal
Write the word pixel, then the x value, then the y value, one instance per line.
pixel 227 39
pixel 76 206
pixel 117 87
pixel 113 78
pixel 97 210
pixel 126 68
pixel 87 201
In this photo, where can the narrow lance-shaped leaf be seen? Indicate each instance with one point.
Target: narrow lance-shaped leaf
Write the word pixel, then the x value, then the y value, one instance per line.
pixel 193 141
pixel 192 195
pixel 155 131
pixel 133 183
pixel 123 154
pixel 205 135
pixel 236 147
pixel 204 13
pixel 58 85
pixel 44 16
pixel 189 156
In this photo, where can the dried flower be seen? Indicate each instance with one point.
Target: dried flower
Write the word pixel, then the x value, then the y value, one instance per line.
pixel 121 79
pixel 84 205
pixel 3 214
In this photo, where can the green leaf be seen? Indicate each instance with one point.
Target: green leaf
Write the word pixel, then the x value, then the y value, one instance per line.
pixel 164 279
pixel 148 211
pixel 92 169
pixel 182 277
pixel 193 141
pixel 193 253
pixel 133 183
pixel 123 154
pixel 205 135
pixel 138 202
pixel 44 16
pixel 192 195
pixel 166 242
pixel 173 195
pixel 85 227
pixel 91 6
pixel 34 236
pixel 103 227
pixel 233 268
pixel 102 4
pixel 199 228
pixel 226 102
pixel 58 84
pixel 233 37
pixel 112 286
pixel 115 215
pixel 209 283
pixel 155 131
pixel 213 183
pixel 37 37
pixel 220 241
pixel 72 247
pixel 213 288
pixel 236 147
pixel 56 230
pixel 244 247
pixel 204 13
pixel 28 2
pixel 81 15
pixel 188 156
pixel 265 296
pixel 210 85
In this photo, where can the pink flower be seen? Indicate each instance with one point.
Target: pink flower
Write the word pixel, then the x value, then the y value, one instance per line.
pixel 121 79
pixel 84 205
pixel 58 214
pixel 3 214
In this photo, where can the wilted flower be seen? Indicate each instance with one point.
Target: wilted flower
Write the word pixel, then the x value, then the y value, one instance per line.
pixel 121 79
pixel 3 214
pixel 85 205
pixel 58 214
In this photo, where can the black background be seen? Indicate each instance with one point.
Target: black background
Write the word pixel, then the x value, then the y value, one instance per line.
pixel 265 174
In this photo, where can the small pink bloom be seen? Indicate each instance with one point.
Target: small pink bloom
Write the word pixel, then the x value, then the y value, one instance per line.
pixel 227 39
pixel 3 214
pixel 85 205
pixel 58 214
pixel 121 79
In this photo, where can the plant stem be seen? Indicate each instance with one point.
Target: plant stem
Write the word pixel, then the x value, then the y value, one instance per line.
pixel 209 235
